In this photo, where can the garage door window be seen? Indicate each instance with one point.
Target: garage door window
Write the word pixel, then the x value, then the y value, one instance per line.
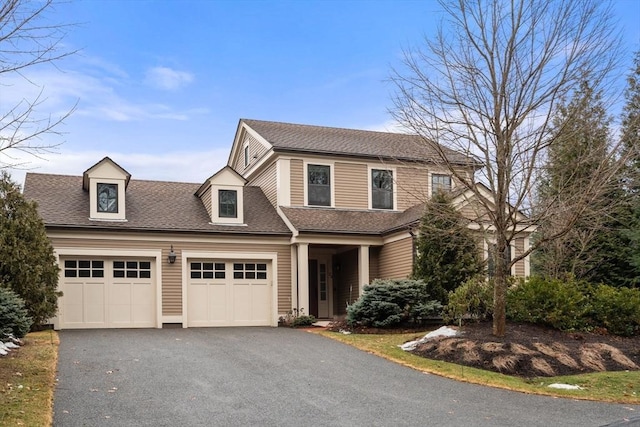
pixel 207 270
pixel 249 270
pixel 83 268
pixel 132 269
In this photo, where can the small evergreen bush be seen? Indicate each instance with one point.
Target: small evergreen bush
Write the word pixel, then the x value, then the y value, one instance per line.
pixel 550 302
pixel 13 315
pixel 473 300
pixel 616 309
pixel 389 303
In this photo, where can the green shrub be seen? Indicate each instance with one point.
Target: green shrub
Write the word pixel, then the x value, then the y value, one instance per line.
pixel 616 309
pixel 13 315
pixel 303 320
pixel 388 303
pixel 473 300
pixel 551 302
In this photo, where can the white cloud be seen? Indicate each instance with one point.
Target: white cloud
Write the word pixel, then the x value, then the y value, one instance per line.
pixel 166 78
pixel 178 166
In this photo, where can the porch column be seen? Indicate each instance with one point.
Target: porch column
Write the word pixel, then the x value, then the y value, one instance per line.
pixel 363 268
pixel 303 277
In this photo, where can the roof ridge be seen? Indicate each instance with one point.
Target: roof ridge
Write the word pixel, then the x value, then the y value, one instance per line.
pixel 330 127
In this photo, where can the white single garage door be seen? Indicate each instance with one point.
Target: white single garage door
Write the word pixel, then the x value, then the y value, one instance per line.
pixel 229 293
pixel 107 293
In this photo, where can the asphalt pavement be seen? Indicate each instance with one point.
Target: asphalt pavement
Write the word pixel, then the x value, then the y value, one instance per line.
pixel 279 377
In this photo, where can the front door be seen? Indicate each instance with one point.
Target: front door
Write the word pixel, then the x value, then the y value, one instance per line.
pixel 320 288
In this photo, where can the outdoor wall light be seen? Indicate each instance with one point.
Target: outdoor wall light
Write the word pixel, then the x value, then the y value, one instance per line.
pixel 172 256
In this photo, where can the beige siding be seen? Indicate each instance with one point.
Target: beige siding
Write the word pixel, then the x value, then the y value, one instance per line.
pixel 412 185
pixel 297 182
pixel 267 181
pixel 351 186
pixel 396 259
pixel 374 261
pixel 172 273
pixel 206 200
pixel 519 250
pixel 256 151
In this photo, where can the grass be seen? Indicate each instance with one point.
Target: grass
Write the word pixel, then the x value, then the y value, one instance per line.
pixel 620 387
pixel 27 378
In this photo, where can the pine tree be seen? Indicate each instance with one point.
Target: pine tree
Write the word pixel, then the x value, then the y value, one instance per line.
pixel 447 252
pixel 630 138
pixel 27 263
pixel 596 248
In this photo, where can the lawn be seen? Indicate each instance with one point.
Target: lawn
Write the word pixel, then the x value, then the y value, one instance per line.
pixel 27 380
pixel 619 386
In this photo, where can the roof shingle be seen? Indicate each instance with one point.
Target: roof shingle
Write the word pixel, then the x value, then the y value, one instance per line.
pixel 349 142
pixel 151 205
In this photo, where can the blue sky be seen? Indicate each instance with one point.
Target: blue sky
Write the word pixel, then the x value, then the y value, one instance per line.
pixel 161 85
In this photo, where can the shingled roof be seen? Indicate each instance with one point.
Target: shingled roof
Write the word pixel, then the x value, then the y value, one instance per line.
pixel 350 221
pixel 151 205
pixel 288 137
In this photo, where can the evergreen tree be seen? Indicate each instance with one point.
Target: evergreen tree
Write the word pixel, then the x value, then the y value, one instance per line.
pixel 447 253
pixel 630 137
pixel 27 264
pixel 596 248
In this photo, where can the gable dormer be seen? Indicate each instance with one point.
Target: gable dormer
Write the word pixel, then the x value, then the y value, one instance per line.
pixel 106 183
pixel 223 196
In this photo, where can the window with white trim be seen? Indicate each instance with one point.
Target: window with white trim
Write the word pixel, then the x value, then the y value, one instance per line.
pixel 249 270
pixel 107 197
pixel 83 268
pixel 440 183
pixel 132 269
pixel 381 189
pixel 207 270
pixel 319 185
pixel 228 203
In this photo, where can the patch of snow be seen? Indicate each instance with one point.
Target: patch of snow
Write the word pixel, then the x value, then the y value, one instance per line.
pixel 4 347
pixel 343 332
pixel 3 352
pixel 565 386
pixel 11 345
pixel 443 331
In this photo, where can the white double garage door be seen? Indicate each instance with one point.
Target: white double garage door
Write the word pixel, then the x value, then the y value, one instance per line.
pixel 123 293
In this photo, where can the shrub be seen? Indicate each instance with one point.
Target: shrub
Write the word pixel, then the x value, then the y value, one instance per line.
pixel 616 309
pixel 13 315
pixel 387 303
pixel 296 318
pixel 551 302
pixel 473 300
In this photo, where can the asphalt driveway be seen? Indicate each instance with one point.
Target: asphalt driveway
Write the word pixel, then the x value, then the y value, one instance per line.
pixel 277 377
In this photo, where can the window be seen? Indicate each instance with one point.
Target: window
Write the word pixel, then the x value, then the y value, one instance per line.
pixel 83 268
pixel 491 263
pixel 227 203
pixel 107 198
pixel 207 270
pixel 249 270
pixel 381 189
pixel 440 183
pixel 132 269
pixel 246 155
pixel 319 185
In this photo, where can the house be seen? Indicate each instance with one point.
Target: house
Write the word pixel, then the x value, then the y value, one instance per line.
pixel 301 217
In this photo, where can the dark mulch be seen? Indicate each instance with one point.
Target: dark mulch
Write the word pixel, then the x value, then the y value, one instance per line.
pixel 532 351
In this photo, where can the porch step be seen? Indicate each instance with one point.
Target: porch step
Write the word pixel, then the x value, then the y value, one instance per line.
pixel 322 323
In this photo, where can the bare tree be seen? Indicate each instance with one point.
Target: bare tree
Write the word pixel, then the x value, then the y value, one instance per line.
pixel 27 39
pixel 486 86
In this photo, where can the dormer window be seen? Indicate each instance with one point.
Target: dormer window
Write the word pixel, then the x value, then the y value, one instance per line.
pixel 107 197
pixel 440 183
pixel 228 203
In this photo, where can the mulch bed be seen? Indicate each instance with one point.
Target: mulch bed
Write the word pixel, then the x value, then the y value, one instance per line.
pixel 531 351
